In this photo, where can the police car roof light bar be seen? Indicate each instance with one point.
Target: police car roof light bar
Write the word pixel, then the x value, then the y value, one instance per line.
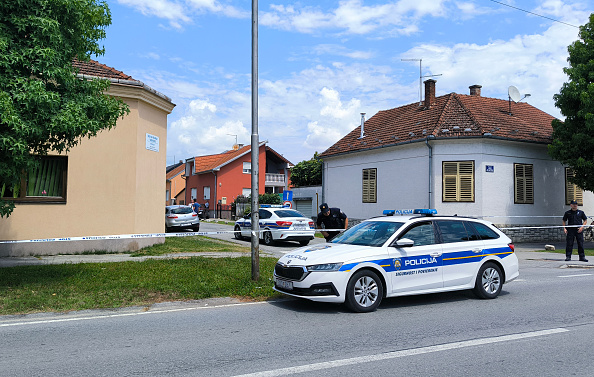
pixel 389 212
pixel 425 211
pixel 274 206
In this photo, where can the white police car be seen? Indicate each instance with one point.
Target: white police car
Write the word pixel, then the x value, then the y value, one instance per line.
pixel 277 223
pixel 400 255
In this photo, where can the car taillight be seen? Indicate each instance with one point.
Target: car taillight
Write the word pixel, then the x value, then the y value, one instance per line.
pixel 511 246
pixel 171 216
pixel 194 214
pixel 311 224
pixel 284 223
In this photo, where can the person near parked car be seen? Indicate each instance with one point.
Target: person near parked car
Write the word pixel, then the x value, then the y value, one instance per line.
pixel 332 218
pixel 572 218
pixel 196 206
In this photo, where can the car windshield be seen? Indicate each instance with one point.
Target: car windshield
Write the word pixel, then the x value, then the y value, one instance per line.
pixel 181 210
pixel 288 213
pixel 368 233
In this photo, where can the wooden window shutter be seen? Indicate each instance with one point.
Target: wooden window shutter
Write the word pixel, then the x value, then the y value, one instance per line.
pixel 458 181
pixel 369 185
pixel 572 191
pixel 524 183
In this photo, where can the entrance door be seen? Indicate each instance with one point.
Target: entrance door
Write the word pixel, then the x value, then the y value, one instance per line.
pixel 420 266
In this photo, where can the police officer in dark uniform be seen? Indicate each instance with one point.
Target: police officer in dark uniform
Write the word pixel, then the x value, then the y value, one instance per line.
pixel 332 218
pixel 574 217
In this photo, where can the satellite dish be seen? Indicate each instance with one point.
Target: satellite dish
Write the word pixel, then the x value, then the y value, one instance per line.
pixel 514 93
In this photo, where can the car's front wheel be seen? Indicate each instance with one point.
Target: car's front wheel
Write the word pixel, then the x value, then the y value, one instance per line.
pixel 364 292
pixel 237 233
pixel 488 282
pixel 268 240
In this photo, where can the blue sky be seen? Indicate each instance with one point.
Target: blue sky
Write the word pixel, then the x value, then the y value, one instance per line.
pixel 322 63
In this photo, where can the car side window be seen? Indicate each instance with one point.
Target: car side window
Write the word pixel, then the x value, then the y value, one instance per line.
pixel 422 234
pixel 485 232
pixel 264 214
pixel 453 231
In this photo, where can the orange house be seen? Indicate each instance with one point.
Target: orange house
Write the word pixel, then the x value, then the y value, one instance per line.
pixel 220 178
pixel 175 184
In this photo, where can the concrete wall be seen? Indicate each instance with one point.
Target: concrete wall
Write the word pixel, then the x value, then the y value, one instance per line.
pixel 403 181
pixel 114 186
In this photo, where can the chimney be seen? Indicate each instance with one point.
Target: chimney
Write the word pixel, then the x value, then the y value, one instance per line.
pixel 429 93
pixel 475 90
pixel 362 125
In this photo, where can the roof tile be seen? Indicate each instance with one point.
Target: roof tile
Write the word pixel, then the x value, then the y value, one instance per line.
pixel 452 115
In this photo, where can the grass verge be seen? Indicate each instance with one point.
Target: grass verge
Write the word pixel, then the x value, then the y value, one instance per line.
pixel 195 244
pixel 68 287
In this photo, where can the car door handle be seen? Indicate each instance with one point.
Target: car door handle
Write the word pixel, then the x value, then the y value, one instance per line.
pixel 436 254
pixel 477 251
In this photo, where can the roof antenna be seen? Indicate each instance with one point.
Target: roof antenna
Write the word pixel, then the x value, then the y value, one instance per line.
pixel 420 77
pixel 513 94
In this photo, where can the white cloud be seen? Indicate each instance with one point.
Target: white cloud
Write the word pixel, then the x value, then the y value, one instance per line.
pixel 353 17
pixel 533 63
pixel 182 11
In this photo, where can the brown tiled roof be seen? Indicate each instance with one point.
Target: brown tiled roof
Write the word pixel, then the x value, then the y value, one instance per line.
pixel 96 69
pixel 210 162
pixel 451 116
pixel 175 169
pixel 207 163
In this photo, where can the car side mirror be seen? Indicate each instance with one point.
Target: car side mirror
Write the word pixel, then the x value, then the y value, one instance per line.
pixel 404 242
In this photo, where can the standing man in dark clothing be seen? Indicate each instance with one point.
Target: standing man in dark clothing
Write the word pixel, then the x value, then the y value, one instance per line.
pixel 574 217
pixel 332 218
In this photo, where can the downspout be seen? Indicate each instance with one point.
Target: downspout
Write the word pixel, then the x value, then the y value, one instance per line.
pixel 214 171
pixel 430 169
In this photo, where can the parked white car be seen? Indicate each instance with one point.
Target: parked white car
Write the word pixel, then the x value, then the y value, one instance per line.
pixel 278 223
pixel 400 255
pixel 181 217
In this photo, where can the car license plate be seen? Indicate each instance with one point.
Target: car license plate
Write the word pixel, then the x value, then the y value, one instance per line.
pixel 300 227
pixel 283 284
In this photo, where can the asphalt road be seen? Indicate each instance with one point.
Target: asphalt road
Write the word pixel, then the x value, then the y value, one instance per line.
pixel 541 325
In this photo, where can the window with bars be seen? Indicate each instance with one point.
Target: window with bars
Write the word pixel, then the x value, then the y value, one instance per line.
pixel 572 191
pixel 369 185
pixel 523 184
pixel 45 183
pixel 458 181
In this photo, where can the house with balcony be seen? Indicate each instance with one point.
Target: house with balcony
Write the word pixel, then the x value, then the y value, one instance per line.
pixel 220 178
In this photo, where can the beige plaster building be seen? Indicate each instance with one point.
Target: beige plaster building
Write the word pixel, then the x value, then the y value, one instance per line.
pixel 108 185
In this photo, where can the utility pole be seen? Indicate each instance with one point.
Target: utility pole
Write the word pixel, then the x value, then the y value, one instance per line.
pixel 255 148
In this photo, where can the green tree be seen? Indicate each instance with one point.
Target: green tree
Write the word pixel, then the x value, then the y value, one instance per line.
pixel 307 172
pixel 573 140
pixel 44 106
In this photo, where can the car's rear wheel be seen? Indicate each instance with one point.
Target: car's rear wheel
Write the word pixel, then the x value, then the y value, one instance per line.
pixel 237 233
pixel 488 282
pixel 268 240
pixel 364 292
pixel 196 228
pixel 304 242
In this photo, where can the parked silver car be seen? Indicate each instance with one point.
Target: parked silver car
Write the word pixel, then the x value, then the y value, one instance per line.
pixel 181 217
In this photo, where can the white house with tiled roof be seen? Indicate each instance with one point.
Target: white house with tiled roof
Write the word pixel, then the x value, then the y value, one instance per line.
pixel 460 154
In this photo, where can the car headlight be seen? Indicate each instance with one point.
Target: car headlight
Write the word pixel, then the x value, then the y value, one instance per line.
pixel 327 267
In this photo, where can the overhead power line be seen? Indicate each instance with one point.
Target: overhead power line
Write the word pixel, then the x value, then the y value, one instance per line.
pixel 536 14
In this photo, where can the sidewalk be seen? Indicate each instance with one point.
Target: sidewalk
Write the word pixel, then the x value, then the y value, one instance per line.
pixel 524 251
